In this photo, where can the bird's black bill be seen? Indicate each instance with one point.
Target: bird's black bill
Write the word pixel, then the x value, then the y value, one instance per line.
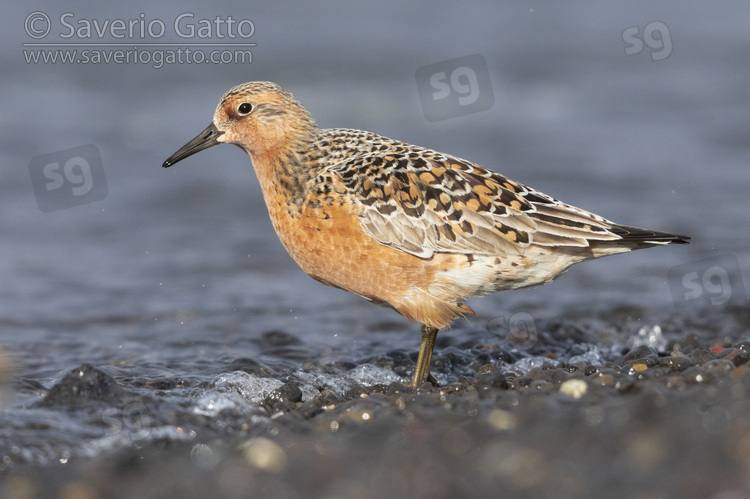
pixel 204 140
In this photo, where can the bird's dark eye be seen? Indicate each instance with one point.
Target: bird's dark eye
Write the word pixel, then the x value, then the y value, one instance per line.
pixel 245 108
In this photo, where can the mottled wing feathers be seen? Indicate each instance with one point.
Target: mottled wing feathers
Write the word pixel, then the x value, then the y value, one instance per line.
pixel 424 202
pixel 422 213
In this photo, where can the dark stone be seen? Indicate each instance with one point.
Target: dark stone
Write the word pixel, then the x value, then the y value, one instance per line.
pixel 736 355
pixel 82 384
pixel 700 356
pixel 676 363
pixel 356 391
pixel 744 345
pixel 284 398
pixel 639 353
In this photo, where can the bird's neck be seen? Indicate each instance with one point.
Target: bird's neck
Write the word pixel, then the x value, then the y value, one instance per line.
pixel 283 172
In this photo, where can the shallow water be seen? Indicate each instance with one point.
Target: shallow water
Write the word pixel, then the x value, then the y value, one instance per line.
pixel 175 285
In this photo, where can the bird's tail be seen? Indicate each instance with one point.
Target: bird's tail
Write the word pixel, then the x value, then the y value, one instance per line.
pixel 633 238
pixel 644 236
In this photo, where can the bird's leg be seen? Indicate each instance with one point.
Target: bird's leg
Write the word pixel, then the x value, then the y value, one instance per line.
pixel 422 369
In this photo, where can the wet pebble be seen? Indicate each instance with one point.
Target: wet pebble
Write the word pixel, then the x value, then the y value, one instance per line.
pixel 701 356
pixel 84 383
pixel 744 345
pixel 486 369
pixel 642 354
pixel 284 398
pixel 736 355
pixel 676 362
pixel 576 388
pixel 605 376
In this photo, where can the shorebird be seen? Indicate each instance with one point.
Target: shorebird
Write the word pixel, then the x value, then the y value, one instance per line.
pixel 402 225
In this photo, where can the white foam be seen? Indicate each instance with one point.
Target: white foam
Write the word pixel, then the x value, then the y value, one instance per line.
pixel 525 365
pixel 234 390
pixel 339 384
pixel 650 336
pixel 368 375
pixel 593 356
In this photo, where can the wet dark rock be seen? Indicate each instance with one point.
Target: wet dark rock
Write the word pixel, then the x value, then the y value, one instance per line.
pixel 378 389
pixel 656 372
pixel 589 370
pixel 744 345
pixel 519 382
pixel 161 383
pixel 736 355
pixel 700 356
pixel 548 373
pixel 284 398
pixel 356 391
pixel 576 368
pixel 30 385
pixel 311 408
pixel 453 387
pixel 502 355
pixel 486 369
pixel 640 353
pixel 289 391
pixel 626 384
pixel 676 363
pixel 427 387
pixel 541 386
pixel 82 384
pixel 396 388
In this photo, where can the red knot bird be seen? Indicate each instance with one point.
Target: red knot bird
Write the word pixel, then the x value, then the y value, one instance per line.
pixel 401 225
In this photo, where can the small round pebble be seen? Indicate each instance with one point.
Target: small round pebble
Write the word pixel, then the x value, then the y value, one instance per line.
pixel 576 388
